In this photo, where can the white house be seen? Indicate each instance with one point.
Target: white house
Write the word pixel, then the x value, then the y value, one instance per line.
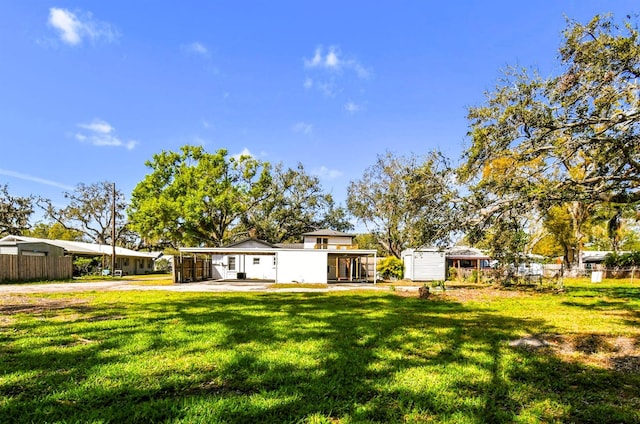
pixel 323 256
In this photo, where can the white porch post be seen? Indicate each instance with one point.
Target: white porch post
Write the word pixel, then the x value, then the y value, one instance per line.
pixel 375 268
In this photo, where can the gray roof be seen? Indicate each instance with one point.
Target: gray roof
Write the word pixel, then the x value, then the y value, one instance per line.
pixel 250 242
pixel 82 248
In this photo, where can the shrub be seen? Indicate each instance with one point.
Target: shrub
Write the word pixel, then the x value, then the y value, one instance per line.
pixel 163 265
pixel 85 266
pixel 390 268
pixel 616 260
pixel 474 277
pixel 453 273
pixel 438 283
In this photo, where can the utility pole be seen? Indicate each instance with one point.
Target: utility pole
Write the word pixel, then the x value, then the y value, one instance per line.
pixel 113 231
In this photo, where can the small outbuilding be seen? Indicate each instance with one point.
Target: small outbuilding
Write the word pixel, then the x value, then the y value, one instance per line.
pixel 424 264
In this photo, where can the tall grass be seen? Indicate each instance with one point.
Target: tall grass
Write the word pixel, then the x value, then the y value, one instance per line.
pixel 310 357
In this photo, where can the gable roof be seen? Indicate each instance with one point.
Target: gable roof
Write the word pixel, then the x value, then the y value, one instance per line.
pixel 83 248
pixel 328 232
pixel 465 252
pixel 250 242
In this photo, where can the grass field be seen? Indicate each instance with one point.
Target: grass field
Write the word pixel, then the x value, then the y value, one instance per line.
pixel 346 357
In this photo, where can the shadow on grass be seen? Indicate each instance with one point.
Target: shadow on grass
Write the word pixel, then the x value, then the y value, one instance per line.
pixel 292 358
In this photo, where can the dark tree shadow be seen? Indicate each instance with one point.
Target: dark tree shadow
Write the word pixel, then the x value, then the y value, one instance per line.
pixel 338 357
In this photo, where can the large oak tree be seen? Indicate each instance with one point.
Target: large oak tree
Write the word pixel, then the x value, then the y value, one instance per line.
pixel 406 201
pixel 572 138
pixel 193 197
pixel 296 203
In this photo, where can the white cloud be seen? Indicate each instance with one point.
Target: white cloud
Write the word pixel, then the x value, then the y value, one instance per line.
pixel 244 152
pixel 352 107
pixel 97 125
pixel 100 133
pixel 73 28
pixel 27 177
pixel 197 48
pixel 334 60
pixel 324 172
pixel 206 124
pixel 303 127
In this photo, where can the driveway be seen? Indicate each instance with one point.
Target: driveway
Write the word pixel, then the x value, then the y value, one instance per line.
pixel 210 286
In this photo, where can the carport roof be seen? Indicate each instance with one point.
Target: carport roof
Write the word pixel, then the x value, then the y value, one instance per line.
pixel 82 248
pixel 268 250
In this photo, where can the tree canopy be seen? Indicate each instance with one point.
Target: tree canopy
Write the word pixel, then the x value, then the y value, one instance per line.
pixel 295 204
pixel 196 197
pixel 15 212
pixel 406 201
pixel 90 212
pixel 193 197
pixel 573 137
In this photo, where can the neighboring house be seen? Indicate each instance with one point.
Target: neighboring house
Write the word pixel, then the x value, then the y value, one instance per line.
pixel 324 256
pixel 465 258
pixel 29 248
pixel 593 259
pixel 129 261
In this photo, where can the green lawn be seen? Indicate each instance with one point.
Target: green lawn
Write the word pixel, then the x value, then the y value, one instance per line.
pixel 321 357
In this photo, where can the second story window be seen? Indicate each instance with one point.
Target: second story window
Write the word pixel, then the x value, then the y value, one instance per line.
pixel 322 243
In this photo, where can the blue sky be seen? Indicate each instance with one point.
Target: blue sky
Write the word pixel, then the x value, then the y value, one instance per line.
pixel 91 90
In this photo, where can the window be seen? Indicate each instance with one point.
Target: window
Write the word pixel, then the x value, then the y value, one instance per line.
pixel 232 263
pixel 256 261
pixel 322 243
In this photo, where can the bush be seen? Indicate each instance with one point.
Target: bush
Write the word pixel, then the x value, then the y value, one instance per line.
pixel 453 273
pixel 474 277
pixel 85 266
pixel 439 283
pixel 163 265
pixel 391 268
pixel 616 260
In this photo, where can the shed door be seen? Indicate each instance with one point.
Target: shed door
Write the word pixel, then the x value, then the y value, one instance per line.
pixel 428 266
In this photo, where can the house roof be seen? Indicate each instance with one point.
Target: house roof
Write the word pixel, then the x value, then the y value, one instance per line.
pixel 328 232
pixel 596 255
pixel 465 252
pixel 82 248
pixel 250 242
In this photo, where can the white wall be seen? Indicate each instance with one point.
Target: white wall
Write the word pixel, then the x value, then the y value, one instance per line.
pixel 264 270
pixel 218 263
pixel 302 266
pixel 424 265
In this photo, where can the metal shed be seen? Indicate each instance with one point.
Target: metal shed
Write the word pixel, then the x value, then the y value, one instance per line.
pixel 424 264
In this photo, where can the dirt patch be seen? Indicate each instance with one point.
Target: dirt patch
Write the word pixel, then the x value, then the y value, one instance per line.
pixel 467 294
pixel 612 352
pixel 12 305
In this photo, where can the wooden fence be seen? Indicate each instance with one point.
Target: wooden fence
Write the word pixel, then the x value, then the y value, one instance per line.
pixel 22 268
pixel 191 268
